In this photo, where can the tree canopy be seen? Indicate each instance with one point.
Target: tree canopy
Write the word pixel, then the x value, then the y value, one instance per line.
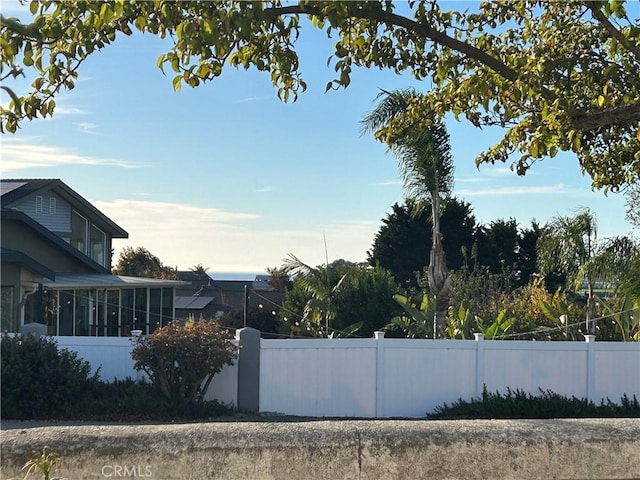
pixel 571 245
pixel 140 262
pixel 338 299
pixel 558 76
pixel 400 245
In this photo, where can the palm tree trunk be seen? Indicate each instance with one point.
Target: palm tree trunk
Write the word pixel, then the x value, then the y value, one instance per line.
pixel 438 275
pixel 590 324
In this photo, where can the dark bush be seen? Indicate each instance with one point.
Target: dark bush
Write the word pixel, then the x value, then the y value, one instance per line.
pixel 40 381
pixel 519 404
pixel 129 400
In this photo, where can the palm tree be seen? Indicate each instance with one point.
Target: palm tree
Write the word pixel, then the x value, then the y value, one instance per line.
pixel 199 271
pixel 322 283
pixel 570 245
pixel 426 167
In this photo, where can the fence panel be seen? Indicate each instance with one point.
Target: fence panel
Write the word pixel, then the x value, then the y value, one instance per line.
pixel 323 378
pixel 557 366
pixel 421 374
pixel 111 354
pixel 616 371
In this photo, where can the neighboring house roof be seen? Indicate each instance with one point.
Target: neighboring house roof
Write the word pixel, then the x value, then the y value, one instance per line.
pixel 189 276
pixel 8 214
pixel 13 190
pixel 192 303
pixel 11 256
pixel 93 280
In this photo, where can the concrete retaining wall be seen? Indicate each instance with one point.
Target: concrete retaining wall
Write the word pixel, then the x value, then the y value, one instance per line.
pixel 347 449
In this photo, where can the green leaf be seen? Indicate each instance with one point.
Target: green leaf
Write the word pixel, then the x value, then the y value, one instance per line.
pixel 140 22
pixel 534 149
pixel 160 63
pixel 177 83
pixel 549 312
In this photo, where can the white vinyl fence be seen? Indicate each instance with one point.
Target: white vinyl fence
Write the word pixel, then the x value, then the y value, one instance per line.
pixel 408 378
pixel 388 377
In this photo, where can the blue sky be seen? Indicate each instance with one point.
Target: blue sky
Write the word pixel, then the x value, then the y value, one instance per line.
pixel 227 176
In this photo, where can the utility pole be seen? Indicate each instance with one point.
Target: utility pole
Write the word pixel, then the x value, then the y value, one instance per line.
pixel 244 316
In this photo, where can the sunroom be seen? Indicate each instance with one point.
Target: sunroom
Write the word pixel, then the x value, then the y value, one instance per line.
pixel 101 305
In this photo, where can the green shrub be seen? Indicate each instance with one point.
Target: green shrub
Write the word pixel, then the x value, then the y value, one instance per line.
pixel 129 400
pixel 181 359
pixel 40 381
pixel 519 404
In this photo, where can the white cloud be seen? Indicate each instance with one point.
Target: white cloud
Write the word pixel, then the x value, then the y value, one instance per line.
pixel 498 191
pixel 266 189
pixel 64 110
pixel 495 170
pixel 183 235
pixel 471 180
pixel 87 127
pixel 254 99
pixel 20 154
pixel 388 183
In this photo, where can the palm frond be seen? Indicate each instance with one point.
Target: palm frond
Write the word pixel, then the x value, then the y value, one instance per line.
pixel 392 105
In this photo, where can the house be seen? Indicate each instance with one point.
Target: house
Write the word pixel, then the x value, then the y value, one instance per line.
pixel 56 250
pixel 204 296
pixel 245 300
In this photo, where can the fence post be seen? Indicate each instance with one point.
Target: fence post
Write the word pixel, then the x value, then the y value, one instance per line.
pixel 379 336
pixel 479 363
pixel 591 364
pixel 248 369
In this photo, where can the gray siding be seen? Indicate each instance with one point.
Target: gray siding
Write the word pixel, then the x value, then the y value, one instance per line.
pixel 58 222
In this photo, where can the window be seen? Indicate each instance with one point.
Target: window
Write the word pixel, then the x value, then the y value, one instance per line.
pixel 39 202
pixel 52 205
pixel 84 311
pixel 66 307
pixel 113 313
pixel 167 306
pixel 127 312
pixel 98 245
pixel 155 308
pixel 78 231
pixel 140 313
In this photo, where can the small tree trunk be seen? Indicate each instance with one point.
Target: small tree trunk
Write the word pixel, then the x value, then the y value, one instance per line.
pixel 590 324
pixel 438 275
pixel 440 285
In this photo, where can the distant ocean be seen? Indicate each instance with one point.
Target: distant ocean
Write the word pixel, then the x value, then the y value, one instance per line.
pixel 248 276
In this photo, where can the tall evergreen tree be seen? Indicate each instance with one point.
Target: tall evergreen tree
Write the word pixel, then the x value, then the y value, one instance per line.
pixel 399 243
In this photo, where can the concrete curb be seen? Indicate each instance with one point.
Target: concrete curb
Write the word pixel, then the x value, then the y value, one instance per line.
pixel 345 449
